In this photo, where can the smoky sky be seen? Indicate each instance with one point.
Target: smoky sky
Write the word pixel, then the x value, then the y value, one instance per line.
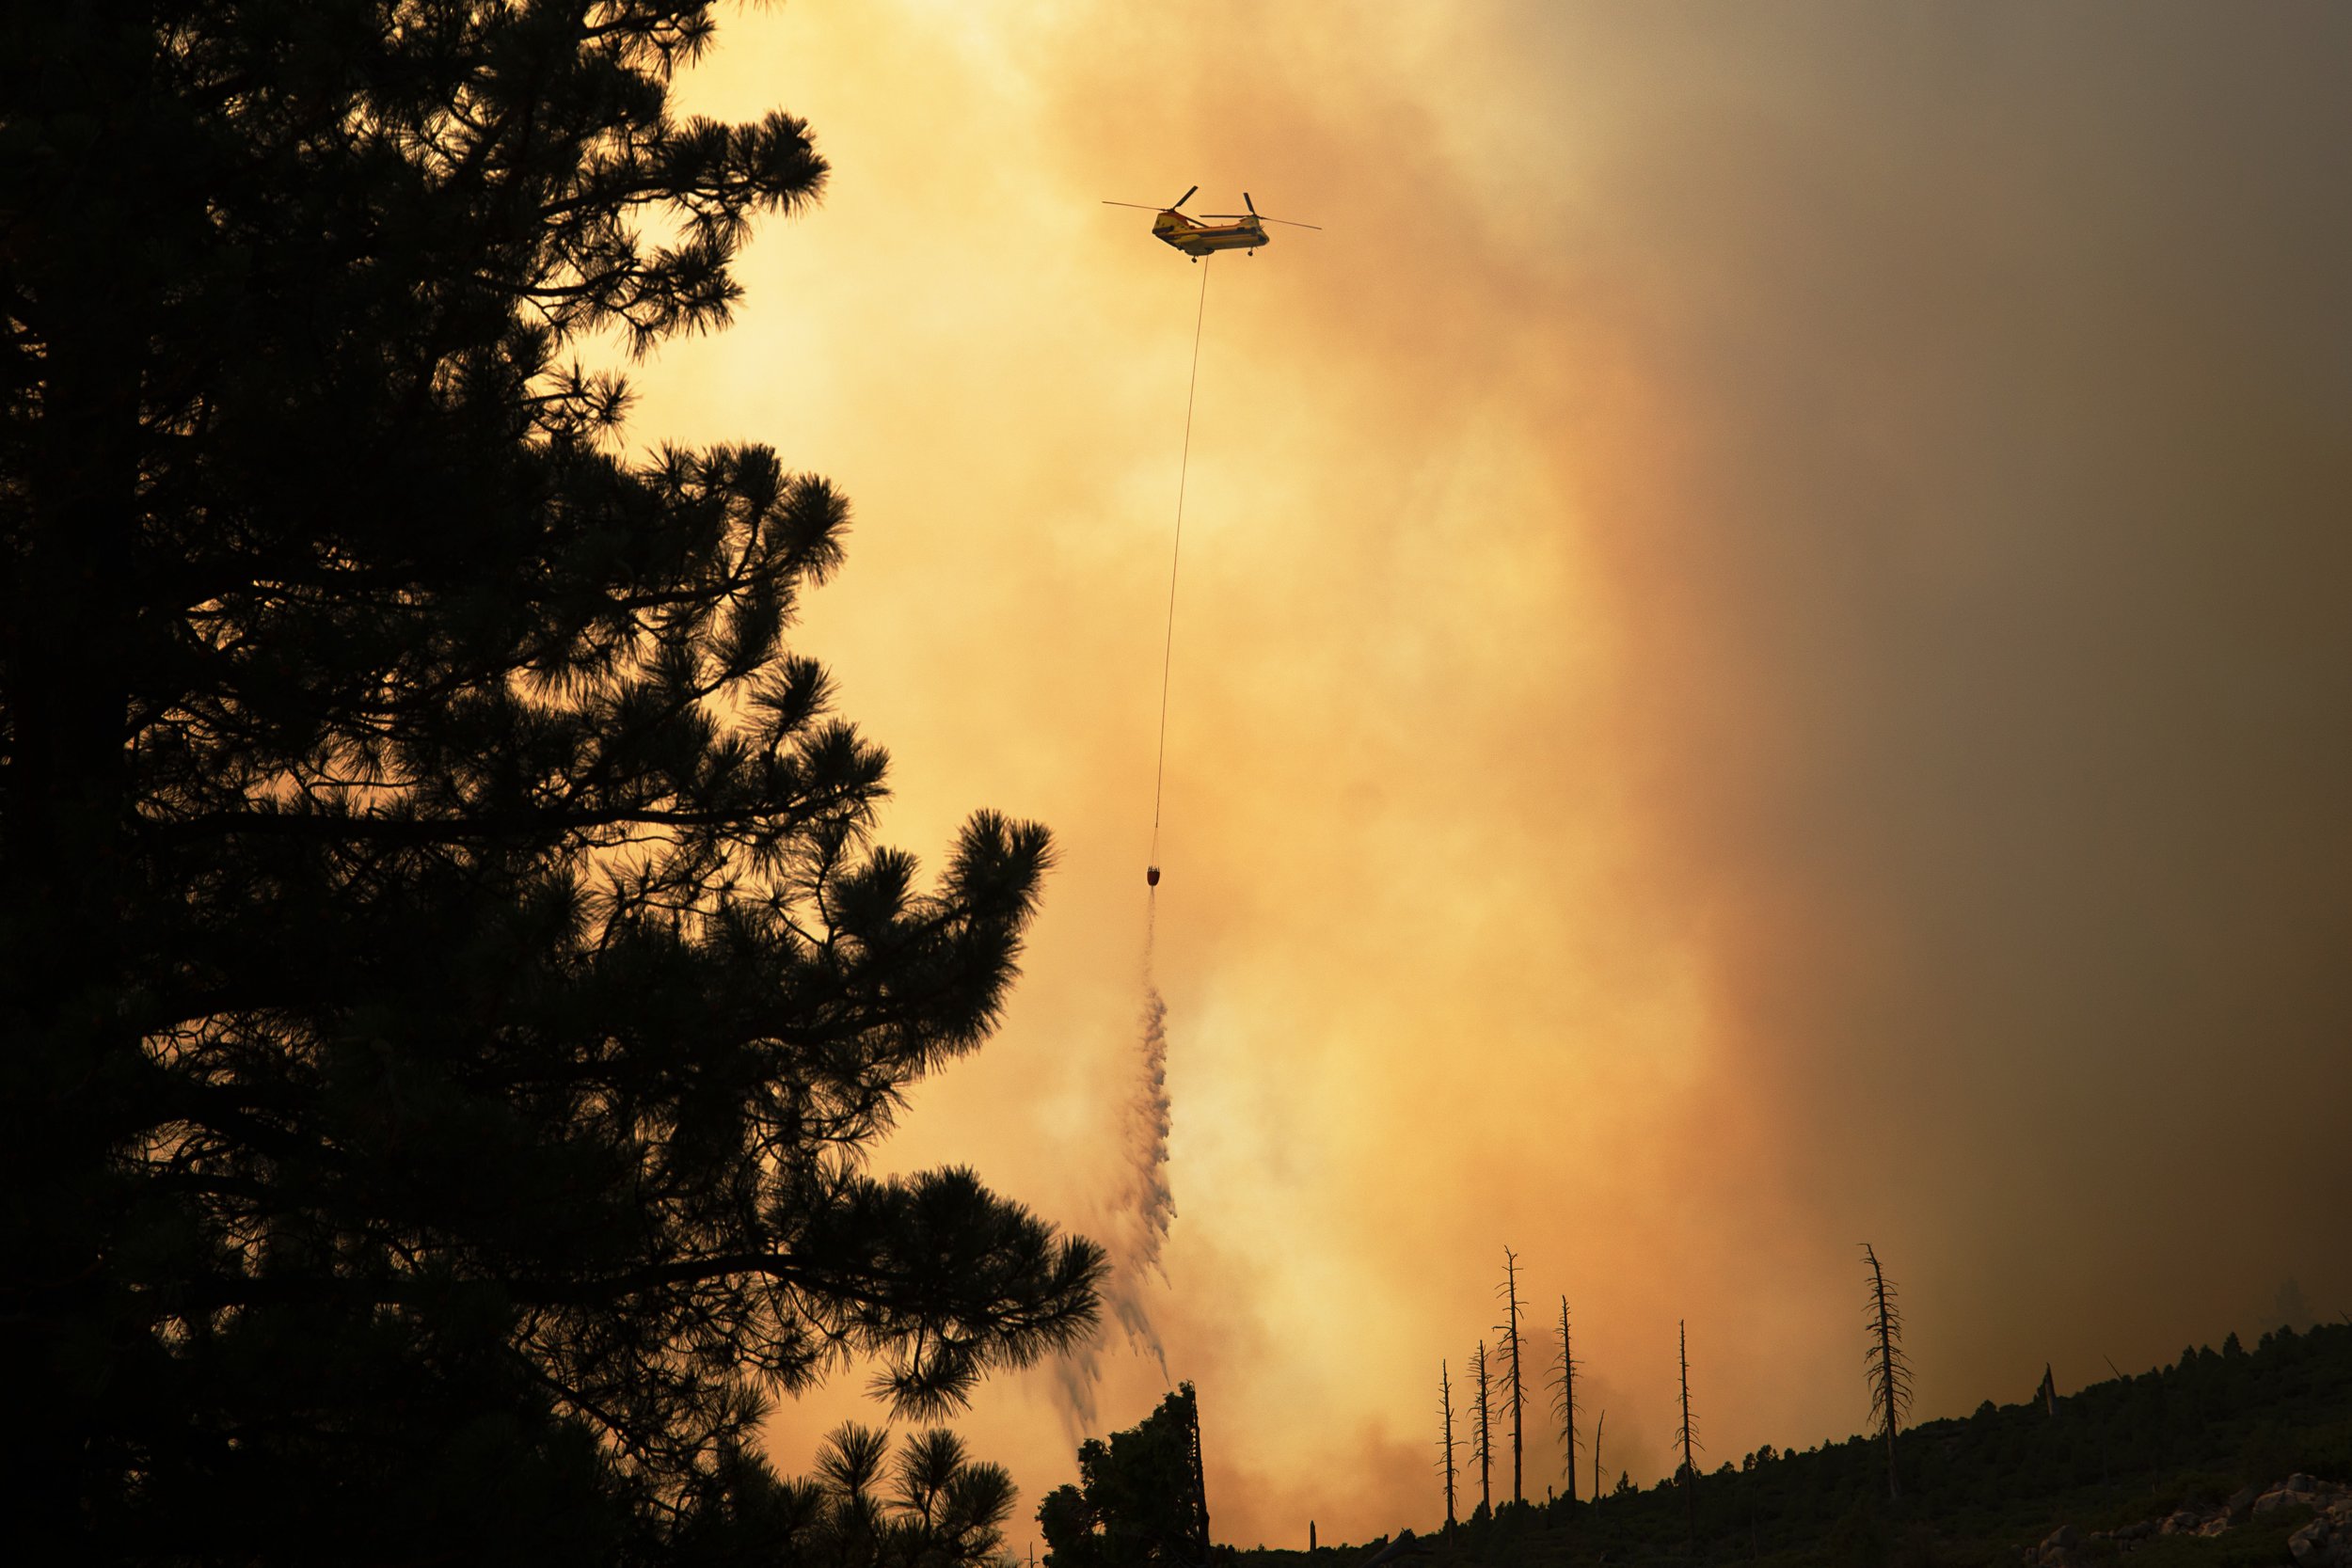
pixel 1995 639
pixel 1762 663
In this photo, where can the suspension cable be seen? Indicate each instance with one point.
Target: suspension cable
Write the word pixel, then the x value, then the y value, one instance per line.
pixel 1167 649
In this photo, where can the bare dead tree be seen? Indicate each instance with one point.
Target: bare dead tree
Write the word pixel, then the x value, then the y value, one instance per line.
pixel 1510 1327
pixel 1482 1449
pixel 1445 1443
pixel 1598 1421
pixel 1564 1400
pixel 1687 1435
pixel 1889 1371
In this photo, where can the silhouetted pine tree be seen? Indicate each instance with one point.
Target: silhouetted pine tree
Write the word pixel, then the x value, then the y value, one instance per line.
pixel 1889 1373
pixel 1563 1400
pixel 931 1508
pixel 445 973
pixel 1599 1422
pixel 1483 1450
pixel 1509 1329
pixel 1138 1500
pixel 1445 1440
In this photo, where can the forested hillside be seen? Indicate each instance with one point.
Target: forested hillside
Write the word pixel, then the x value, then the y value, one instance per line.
pixel 1978 1489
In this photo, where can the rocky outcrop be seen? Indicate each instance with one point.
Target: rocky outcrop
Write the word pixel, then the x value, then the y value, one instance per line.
pixel 2326 1542
pixel 2057 1548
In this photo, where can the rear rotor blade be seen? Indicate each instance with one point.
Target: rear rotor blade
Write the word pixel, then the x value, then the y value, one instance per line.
pixel 1252 205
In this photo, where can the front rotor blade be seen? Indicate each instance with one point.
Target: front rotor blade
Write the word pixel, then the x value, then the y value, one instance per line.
pixel 1138 206
pixel 1181 199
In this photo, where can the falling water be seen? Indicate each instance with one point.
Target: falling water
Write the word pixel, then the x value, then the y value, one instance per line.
pixel 1141 1209
pixel 1148 1205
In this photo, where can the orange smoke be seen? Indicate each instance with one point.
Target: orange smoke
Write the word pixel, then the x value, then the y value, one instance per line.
pixel 1760 667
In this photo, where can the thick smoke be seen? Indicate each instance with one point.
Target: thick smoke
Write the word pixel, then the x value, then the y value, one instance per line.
pixel 1782 682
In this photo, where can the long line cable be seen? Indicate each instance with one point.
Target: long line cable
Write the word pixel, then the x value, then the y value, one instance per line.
pixel 1167 649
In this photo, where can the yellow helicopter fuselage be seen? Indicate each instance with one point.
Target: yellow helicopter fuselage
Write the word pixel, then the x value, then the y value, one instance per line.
pixel 1195 238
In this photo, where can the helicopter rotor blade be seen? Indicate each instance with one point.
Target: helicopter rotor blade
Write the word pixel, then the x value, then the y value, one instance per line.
pixel 1292 222
pixel 1252 205
pixel 1181 199
pixel 1138 206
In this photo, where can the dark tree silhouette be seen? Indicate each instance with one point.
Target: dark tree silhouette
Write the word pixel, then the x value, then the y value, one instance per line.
pixel 1513 1340
pixel 1482 1446
pixel 1445 1439
pixel 1563 1403
pixel 1138 1501
pixel 932 1508
pixel 446 975
pixel 1599 1422
pixel 1687 1435
pixel 1889 1373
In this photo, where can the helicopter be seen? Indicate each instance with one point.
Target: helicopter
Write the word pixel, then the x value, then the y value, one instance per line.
pixel 1206 235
